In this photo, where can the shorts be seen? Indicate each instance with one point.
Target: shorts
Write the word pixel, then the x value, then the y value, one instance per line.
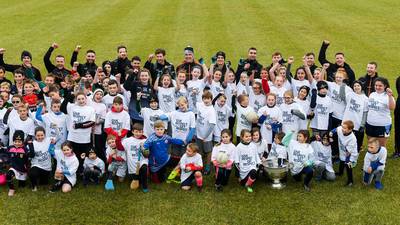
pixel 204 146
pixel 118 168
pixel 19 175
pixel 378 131
pixel 189 180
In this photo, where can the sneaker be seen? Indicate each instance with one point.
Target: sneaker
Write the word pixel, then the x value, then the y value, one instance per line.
pixel 218 188
pixel 109 185
pixel 145 190
pixel 395 155
pixel 34 189
pixel 249 189
pixel 378 185
pixel 307 188
pixel 11 192
pixel 349 184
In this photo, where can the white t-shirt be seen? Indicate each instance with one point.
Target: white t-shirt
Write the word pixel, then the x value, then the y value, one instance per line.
pixel 215 88
pixel 101 111
pixel 261 147
pixel 305 105
pixel 290 122
pixel 166 98
pixel 256 101
pixel 378 110
pixel 195 91
pixel 205 118
pixel 241 89
pixel 279 94
pixel 274 115
pixel 323 155
pixel 108 101
pixel 181 123
pixel 322 110
pixel 380 156
pixel 299 153
pixel 42 158
pixel 229 92
pixel 182 92
pixel 229 149
pixel 90 163
pixel 55 126
pixel 247 158
pixel 3 127
pixel 68 164
pixel 79 114
pixel 338 103
pixel 356 105
pixel 149 117
pixel 347 145
pixel 118 121
pixel 223 113
pixel 27 126
pixel 278 152
pixel 297 84
pixel 185 160
pixel 134 154
pixel 242 122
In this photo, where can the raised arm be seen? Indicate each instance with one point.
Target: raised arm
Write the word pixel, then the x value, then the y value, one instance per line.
pixel 49 66
pixel 74 56
pixel 272 71
pixel 322 53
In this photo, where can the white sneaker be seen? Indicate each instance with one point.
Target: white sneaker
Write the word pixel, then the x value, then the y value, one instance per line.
pixel 11 192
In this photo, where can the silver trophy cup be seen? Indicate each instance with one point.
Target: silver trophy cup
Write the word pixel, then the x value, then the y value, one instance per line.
pixel 276 171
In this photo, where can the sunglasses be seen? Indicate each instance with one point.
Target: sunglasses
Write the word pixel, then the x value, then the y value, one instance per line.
pixel 13 102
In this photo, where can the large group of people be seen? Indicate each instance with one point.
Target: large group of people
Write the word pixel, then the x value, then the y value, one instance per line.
pixel 151 121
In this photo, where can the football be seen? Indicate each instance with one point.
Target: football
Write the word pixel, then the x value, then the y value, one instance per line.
pixel 251 117
pixel 222 158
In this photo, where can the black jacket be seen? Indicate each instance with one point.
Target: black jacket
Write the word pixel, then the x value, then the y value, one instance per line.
pixel 120 66
pixel 83 68
pixel 12 68
pixel 156 69
pixel 333 67
pixel 59 74
pixel 368 83
pixel 254 65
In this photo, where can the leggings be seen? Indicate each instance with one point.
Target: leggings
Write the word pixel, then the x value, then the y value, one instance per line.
pixel 38 176
pixel 99 146
pixel 142 177
pixel 251 175
pixel 308 171
pixel 349 171
pixel 78 149
pixel 360 139
pixel 10 176
pixel 222 176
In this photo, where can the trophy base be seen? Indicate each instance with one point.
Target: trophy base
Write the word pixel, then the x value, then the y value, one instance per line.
pixel 277 185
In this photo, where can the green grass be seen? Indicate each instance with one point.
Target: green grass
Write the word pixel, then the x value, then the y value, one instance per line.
pixel 364 30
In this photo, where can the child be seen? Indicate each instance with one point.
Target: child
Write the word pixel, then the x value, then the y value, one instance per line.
pixel 301 156
pixel 261 145
pixel 348 152
pixel 292 114
pixel 270 119
pixel 93 168
pixel 22 122
pixel 205 123
pixel 323 158
pixel 181 85
pixel 356 110
pixel 223 112
pixel 116 160
pixel 40 170
pixel 112 93
pixel 29 95
pixel 321 109
pixel 374 163
pixel 256 97
pixel 191 165
pixel 3 127
pixel 18 159
pixel 67 166
pixel 183 125
pixel 158 144
pixel 223 169
pixel 243 109
pixel 195 88
pixel 166 93
pixel 117 121
pixel 246 160
pixel 151 115
pixel 278 89
pixel 81 118
pixel 242 84
pixel 54 122
pixel 278 150
pixel 101 112
pixel 19 77
pixel 136 159
pixel 215 84
pixel 302 100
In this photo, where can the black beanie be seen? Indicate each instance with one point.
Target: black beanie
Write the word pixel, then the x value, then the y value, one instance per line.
pixel 322 84
pixel 189 49
pixel 18 135
pixel 26 53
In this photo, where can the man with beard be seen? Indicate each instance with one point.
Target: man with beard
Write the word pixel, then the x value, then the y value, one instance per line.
pixel 26 58
pixel 120 65
pixel 188 63
pixel 340 62
pixel 160 66
pixel 310 60
pixel 369 79
pixel 58 70
pixel 249 65
pixel 89 66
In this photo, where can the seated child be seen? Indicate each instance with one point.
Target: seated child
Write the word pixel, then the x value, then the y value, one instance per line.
pixel 191 165
pixel 374 163
pixel 278 150
pixel 323 158
pixel 93 168
pixel 116 160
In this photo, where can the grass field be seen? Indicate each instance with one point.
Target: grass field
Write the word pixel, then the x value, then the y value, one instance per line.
pixel 365 30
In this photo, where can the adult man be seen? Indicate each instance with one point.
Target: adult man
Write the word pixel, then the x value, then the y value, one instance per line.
pixel 189 63
pixel 58 70
pixel 89 66
pixel 120 65
pixel 340 62
pixel 369 78
pixel 157 69
pixel 26 58
pixel 310 60
pixel 249 65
